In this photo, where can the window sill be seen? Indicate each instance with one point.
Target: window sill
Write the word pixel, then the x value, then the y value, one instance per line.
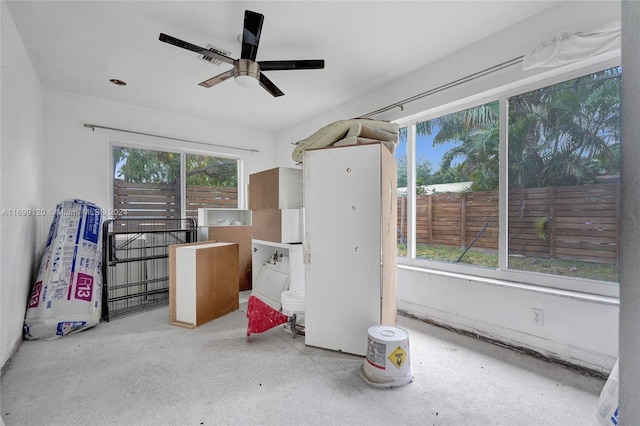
pixel 587 297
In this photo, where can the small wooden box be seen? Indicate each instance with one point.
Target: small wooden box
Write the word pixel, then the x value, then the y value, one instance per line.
pixel 203 282
pixel 279 188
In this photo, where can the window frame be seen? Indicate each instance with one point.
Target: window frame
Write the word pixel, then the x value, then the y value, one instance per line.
pixel 183 152
pixel 501 275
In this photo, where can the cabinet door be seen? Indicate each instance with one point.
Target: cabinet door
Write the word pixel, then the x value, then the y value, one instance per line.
pixel 242 236
pixel 343 246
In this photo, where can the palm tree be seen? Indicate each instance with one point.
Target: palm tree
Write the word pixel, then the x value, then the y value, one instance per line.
pixel 478 131
pixel 565 134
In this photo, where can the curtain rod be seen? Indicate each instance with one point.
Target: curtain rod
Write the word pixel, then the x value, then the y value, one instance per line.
pixel 470 77
pixel 96 126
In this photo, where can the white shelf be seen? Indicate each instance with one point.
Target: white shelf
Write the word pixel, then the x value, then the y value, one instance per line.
pixel 221 217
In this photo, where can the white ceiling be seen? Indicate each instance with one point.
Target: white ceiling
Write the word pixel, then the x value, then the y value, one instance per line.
pixel 78 46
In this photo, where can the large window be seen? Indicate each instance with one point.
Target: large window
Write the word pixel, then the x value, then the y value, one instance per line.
pixel 557 186
pixel 456 179
pixel 564 178
pixel 164 184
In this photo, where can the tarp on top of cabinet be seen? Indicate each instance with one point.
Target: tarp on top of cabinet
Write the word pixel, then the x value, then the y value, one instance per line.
pixel 383 131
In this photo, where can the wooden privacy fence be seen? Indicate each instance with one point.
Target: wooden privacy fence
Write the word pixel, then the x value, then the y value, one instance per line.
pixel 210 197
pixel 157 200
pixel 569 222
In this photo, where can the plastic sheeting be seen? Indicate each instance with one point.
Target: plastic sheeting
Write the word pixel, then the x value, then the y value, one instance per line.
pixel 262 317
pixel 568 47
pixel 382 131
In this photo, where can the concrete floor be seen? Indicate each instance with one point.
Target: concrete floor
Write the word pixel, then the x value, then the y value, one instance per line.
pixel 138 370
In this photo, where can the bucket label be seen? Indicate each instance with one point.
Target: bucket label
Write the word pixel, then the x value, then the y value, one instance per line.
pixel 398 357
pixel 376 353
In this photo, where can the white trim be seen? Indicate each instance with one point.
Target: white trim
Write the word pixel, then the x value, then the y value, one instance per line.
pixel 605 300
pixel 411 183
pixel 503 186
pixel 183 184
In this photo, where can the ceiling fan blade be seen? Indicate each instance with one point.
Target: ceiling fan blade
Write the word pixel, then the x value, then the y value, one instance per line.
pixel 269 86
pixel 192 47
pixel 217 79
pixel 311 64
pixel 251 34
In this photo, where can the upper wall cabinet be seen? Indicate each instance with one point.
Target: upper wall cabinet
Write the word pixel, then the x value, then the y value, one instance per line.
pixel 279 188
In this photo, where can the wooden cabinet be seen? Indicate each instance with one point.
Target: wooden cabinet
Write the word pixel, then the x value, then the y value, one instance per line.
pixel 279 188
pixel 240 235
pixel 203 282
pixel 230 226
pixel 350 244
pixel 275 199
pixel 278 225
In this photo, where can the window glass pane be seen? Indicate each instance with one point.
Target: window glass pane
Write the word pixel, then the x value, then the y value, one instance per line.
pixel 564 168
pixel 401 157
pixel 212 182
pixel 457 187
pixel 146 183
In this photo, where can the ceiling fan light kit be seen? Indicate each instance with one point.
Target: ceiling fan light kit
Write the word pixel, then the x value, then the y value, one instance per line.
pixel 246 71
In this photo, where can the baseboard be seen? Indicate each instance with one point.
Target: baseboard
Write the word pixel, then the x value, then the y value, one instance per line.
pixel 522 349
pixel 6 363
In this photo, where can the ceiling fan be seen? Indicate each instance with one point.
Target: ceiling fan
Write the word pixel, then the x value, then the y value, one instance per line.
pixel 246 71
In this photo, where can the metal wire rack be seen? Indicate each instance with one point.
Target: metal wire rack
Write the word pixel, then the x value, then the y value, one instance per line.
pixel 135 264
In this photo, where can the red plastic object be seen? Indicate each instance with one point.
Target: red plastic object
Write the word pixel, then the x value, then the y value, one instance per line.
pixel 262 317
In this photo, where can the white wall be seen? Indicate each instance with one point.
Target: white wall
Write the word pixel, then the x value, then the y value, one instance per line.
pixel 77 158
pixel 577 328
pixel 20 181
pixel 48 155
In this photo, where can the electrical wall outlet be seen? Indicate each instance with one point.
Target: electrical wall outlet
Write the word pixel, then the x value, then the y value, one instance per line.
pixel 537 316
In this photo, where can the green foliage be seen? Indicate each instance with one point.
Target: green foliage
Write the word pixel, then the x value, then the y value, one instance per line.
pixel 149 166
pixel 540 225
pixel 565 134
pixel 489 259
pixel 402 172
pixel 424 174
pixel 146 166
pixel 203 170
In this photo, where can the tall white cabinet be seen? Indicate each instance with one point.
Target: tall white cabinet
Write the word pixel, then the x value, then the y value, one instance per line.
pixel 350 244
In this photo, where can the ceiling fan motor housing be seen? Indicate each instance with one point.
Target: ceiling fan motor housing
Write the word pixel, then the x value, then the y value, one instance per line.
pixel 247 67
pixel 246 72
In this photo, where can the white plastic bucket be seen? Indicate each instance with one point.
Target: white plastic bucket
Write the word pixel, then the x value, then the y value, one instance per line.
pixel 387 363
pixel 293 302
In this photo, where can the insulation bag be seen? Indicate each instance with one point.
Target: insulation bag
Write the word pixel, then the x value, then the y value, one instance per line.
pixel 608 411
pixel 66 296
